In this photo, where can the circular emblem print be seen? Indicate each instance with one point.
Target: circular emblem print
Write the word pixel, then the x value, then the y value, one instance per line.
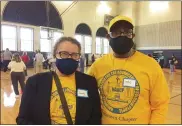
pixel 57 113
pixel 120 91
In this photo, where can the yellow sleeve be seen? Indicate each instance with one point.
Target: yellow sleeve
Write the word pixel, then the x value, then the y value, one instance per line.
pixel 91 70
pixel 159 97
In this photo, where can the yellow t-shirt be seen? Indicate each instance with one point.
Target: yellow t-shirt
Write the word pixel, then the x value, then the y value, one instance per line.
pixel 69 89
pixel 133 90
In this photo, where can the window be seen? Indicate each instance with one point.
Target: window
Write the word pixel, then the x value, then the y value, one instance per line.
pixel 45 43
pixel 44 34
pixel 49 39
pixel 9 39
pixel 106 46
pixel 102 45
pixel 56 36
pixel 98 45
pixel 26 36
pixel 88 44
pixel 79 38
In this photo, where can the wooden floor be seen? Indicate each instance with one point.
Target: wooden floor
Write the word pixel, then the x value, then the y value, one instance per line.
pixel 10 105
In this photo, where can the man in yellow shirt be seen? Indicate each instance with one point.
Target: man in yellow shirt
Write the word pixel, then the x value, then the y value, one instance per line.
pixel 132 85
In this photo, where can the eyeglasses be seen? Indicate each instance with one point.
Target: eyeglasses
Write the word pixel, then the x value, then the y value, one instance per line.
pixel 123 32
pixel 64 55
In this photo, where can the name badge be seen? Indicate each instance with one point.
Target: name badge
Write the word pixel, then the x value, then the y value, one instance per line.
pixel 129 83
pixel 82 93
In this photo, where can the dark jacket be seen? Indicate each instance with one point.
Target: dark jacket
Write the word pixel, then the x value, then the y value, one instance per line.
pixel 35 103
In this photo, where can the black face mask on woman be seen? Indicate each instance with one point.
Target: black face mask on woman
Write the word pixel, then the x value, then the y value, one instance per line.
pixel 67 66
pixel 121 44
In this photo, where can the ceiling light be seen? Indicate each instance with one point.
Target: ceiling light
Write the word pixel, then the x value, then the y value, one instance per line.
pixel 156 6
pixel 103 8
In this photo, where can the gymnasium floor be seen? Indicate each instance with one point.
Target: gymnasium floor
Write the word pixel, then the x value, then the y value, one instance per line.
pixel 10 105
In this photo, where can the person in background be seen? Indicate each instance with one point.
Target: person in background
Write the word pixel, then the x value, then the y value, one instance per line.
pixel 39 59
pixel 93 58
pixel 7 55
pixel 1 60
pixel 49 57
pixel 45 63
pixel 82 63
pixel 41 104
pixel 87 59
pixel 173 62
pixel 52 63
pixel 150 55
pixel 132 86
pixel 161 60
pixel 34 61
pixel 25 58
pixel 17 67
pixel 172 79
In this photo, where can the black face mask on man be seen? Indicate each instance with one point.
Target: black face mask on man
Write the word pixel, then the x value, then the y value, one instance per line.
pixel 121 44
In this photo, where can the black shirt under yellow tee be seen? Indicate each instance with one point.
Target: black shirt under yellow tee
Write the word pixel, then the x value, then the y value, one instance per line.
pixel 133 90
pixel 69 89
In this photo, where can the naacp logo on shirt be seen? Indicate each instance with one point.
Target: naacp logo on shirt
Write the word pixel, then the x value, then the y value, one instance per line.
pixel 58 108
pixel 120 91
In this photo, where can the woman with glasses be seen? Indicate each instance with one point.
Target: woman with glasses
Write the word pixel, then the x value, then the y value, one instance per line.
pixel 65 96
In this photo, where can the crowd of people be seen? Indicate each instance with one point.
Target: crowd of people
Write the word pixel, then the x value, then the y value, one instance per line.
pixel 40 61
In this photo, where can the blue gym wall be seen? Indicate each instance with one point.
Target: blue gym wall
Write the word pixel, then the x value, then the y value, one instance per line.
pixel 167 54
